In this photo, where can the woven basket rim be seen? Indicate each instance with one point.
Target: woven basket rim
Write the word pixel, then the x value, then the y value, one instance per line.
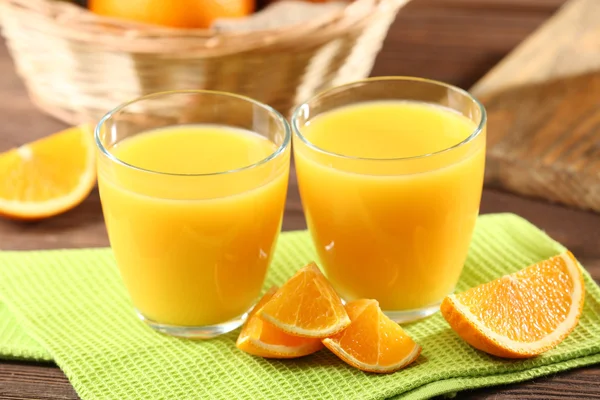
pixel 73 22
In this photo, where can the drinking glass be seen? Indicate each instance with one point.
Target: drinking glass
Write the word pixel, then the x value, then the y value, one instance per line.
pixel 394 229
pixel 192 247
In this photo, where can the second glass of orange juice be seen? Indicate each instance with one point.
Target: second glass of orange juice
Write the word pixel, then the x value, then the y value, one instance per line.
pixel 390 171
pixel 193 186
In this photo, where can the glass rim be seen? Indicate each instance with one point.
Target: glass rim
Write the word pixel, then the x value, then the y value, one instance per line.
pixel 279 150
pixel 478 129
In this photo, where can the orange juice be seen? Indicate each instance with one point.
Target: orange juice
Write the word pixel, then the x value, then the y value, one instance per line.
pixel 391 214
pixel 193 244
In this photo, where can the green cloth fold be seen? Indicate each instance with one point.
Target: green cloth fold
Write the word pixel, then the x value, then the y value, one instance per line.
pixel 70 306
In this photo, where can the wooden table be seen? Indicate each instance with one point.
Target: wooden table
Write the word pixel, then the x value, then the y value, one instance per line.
pixel 452 40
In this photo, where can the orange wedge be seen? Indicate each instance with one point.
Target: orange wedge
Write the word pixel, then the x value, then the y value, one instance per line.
pixel 263 339
pixel 49 176
pixel 306 305
pixel 373 342
pixel 522 314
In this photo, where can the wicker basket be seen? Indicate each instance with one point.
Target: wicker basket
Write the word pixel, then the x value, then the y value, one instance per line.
pixel 77 65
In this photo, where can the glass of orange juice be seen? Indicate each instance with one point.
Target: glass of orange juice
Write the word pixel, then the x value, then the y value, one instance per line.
pixel 193 186
pixel 390 172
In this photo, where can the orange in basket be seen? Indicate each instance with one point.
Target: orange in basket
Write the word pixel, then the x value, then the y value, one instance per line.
pixel 176 14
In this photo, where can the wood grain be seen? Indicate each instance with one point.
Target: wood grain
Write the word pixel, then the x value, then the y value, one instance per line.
pixel 452 40
pixel 544 111
pixel 566 45
pixel 543 140
pixel 458 41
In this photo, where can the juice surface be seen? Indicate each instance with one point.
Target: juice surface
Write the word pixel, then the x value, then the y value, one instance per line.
pixel 193 250
pixel 394 230
pixel 388 129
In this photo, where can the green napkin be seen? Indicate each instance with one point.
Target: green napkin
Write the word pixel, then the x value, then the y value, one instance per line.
pixel 73 305
pixel 15 343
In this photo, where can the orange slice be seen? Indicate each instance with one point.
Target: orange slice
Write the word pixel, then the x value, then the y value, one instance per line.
pixel 373 342
pixel 522 314
pixel 49 176
pixel 306 305
pixel 263 339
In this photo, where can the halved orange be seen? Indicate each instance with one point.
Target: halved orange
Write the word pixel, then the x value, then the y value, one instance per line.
pixel 263 339
pixel 306 305
pixel 49 176
pixel 373 342
pixel 522 314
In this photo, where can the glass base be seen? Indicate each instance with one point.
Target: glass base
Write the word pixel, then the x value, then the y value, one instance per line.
pixel 195 332
pixel 405 316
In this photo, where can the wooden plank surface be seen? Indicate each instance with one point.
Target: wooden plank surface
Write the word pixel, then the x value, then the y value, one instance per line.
pixel 452 40
pixel 566 45
pixel 544 111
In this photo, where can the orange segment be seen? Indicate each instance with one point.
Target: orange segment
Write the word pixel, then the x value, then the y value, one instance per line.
pixel 306 305
pixel 48 176
pixel 373 342
pixel 263 339
pixel 522 314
